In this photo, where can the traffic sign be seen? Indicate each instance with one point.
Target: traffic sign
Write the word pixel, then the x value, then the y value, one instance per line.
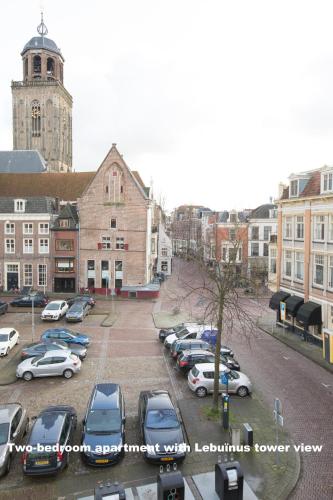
pixel 224 378
pixel 283 311
pixel 278 418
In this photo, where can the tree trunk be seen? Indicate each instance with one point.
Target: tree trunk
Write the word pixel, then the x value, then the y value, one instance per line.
pixel 217 355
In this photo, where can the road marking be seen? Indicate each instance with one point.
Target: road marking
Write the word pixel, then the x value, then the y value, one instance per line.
pixel 326 385
pixel 285 357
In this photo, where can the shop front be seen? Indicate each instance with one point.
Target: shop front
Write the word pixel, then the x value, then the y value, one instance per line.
pixel 275 303
pixel 309 322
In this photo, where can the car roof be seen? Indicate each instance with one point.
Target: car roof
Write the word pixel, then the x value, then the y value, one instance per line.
pixel 6 330
pixel 7 411
pixel 158 399
pixel 56 302
pixel 197 351
pixel 203 367
pixel 47 427
pixel 105 396
pixel 189 341
pixel 57 352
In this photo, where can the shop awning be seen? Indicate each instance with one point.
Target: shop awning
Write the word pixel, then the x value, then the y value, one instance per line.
pixel 293 303
pixel 309 314
pixel 276 298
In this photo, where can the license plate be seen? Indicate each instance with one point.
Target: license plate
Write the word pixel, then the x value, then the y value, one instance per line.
pixel 102 461
pixel 166 459
pixel 42 462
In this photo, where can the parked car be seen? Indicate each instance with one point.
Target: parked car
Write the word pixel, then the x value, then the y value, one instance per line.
pixel 40 348
pixel 160 428
pixel 188 358
pixel 53 429
pixel 9 337
pixel 14 424
pixel 164 332
pixel 3 307
pixel 187 344
pixel 84 298
pixel 210 335
pixel 39 300
pixel 190 332
pixel 78 311
pixel 201 380
pixel 104 425
pixel 54 310
pixel 66 335
pixel 51 364
pixel 161 276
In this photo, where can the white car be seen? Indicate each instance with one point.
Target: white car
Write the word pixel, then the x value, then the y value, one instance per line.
pixel 201 380
pixel 54 310
pixel 190 332
pixel 53 363
pixel 8 338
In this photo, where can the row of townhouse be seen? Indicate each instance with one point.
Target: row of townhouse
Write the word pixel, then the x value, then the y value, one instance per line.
pixel 65 232
pixel 302 255
pixel 219 234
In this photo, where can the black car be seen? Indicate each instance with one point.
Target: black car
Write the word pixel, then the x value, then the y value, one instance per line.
pixel 39 300
pixel 160 428
pixel 39 348
pixel 164 332
pixel 104 426
pixel 83 298
pixel 187 359
pixel 54 427
pixel 3 307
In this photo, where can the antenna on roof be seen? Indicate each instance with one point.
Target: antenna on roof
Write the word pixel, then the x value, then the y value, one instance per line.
pixel 41 28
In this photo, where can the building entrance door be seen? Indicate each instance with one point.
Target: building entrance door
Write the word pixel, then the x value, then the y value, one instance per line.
pixel 12 276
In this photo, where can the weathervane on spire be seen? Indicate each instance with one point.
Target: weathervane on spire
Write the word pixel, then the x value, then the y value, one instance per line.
pixel 41 28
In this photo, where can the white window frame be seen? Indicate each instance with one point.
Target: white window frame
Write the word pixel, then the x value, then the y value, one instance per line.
pixel 330 228
pixel 294 193
pixel 28 248
pixel 10 228
pixel 43 249
pixel 43 230
pixel 164 252
pixel 299 264
pixel 120 243
pixel 299 225
pixel 288 228
pixel 42 274
pixel 27 275
pixel 287 259
pixel 26 225
pixel 258 246
pixel 19 205
pixel 327 182
pixel 330 272
pixel 10 247
pixel 319 228
pixel 316 259
pixel 106 243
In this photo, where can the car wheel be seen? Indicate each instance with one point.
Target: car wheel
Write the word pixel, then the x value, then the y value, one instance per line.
pixel 201 392
pixel 242 391
pixel 27 376
pixel 68 374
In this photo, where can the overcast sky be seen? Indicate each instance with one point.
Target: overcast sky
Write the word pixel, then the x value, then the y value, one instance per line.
pixel 216 101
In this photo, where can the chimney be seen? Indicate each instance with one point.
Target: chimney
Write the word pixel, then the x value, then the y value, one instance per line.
pixel 281 188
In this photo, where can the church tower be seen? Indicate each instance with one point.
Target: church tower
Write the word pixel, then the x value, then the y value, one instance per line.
pixel 42 107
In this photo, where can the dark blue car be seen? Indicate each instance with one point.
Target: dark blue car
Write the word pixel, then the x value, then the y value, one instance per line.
pixel 66 335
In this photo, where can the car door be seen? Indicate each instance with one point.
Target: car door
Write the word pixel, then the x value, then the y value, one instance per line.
pixel 59 365
pixel 232 382
pixel 209 380
pixel 65 337
pixel 17 430
pixel 12 338
pixel 44 367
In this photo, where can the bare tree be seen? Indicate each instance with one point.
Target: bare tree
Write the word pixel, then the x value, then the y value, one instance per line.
pixel 217 283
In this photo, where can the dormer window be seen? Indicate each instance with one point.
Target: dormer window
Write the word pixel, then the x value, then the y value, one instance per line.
pixel 19 205
pixel 327 182
pixel 233 218
pixel 294 188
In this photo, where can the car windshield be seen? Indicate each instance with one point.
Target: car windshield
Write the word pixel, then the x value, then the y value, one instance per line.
pixel 70 332
pixel 52 307
pixel 233 374
pixel 36 358
pixel 3 337
pixel 181 333
pixel 76 307
pixel 178 328
pixel 103 422
pixel 162 419
pixel 4 428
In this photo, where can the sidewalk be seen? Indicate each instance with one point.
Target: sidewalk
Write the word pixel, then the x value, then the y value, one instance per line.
pixel 265 479
pixel 294 341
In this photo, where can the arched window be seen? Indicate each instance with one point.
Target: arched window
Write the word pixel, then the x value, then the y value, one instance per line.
pixel 37 64
pixel 35 119
pixel 114 184
pixel 50 66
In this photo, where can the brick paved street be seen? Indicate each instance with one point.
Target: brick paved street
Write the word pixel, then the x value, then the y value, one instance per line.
pixel 130 354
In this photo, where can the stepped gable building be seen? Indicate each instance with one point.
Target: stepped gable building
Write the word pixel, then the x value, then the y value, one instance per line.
pixel 42 107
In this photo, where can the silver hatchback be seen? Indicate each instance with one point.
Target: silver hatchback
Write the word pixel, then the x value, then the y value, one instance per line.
pixel 201 380
pixel 53 363
pixel 14 424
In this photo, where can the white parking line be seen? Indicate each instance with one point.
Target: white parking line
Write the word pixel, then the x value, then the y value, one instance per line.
pixel 326 385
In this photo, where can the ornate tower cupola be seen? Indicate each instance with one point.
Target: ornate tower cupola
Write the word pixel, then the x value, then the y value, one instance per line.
pixel 42 107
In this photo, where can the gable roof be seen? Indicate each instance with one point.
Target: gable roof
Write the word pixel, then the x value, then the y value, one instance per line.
pixel 66 186
pixel 262 212
pixel 17 161
pixel 70 213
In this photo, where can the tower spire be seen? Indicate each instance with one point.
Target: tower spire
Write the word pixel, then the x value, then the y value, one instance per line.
pixel 41 28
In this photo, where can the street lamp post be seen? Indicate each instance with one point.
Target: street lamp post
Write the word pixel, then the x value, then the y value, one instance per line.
pixel 33 294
